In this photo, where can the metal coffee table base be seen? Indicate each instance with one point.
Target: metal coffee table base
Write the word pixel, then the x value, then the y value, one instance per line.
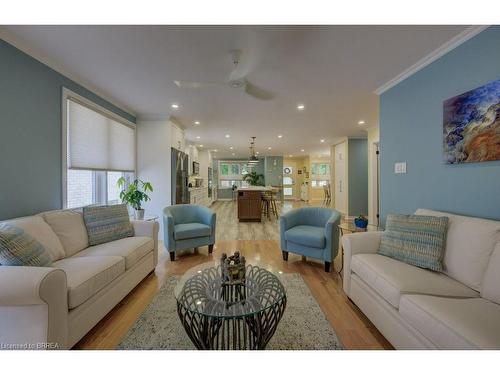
pixel 231 333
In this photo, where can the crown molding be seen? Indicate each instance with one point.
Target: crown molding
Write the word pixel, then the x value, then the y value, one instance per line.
pixel 453 43
pixel 46 60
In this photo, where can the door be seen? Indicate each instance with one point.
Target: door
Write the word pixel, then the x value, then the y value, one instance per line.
pixel 340 178
pixel 289 189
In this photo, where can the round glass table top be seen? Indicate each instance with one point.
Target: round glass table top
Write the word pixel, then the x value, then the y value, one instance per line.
pixel 201 290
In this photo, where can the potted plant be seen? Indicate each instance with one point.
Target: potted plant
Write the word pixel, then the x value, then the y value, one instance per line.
pixel 361 222
pixel 254 179
pixel 135 194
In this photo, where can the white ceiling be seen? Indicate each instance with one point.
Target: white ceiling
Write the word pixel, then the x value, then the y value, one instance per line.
pixel 332 70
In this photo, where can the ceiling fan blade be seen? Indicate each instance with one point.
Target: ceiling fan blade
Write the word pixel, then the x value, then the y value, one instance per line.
pixel 258 92
pixel 196 85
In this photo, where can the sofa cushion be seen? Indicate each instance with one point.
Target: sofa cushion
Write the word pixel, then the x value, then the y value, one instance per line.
pixel 454 323
pixel 415 239
pixel 88 275
pixel 18 248
pixel 68 225
pixel 490 288
pixel 307 235
pixel 132 249
pixel 37 228
pixel 391 279
pixel 107 223
pixel 191 230
pixel 469 244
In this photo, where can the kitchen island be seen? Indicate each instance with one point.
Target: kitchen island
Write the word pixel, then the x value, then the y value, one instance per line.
pixel 250 202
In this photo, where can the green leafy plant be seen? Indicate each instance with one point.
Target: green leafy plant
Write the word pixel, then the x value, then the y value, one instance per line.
pixel 135 193
pixel 254 179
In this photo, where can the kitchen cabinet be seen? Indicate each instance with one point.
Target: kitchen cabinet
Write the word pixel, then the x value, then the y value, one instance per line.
pixel 199 196
pixel 178 138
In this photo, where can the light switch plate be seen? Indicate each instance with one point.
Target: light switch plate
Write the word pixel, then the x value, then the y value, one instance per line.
pixel 400 167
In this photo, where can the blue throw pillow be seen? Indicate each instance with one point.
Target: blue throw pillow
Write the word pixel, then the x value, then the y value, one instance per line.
pixel 18 248
pixel 107 223
pixel 415 239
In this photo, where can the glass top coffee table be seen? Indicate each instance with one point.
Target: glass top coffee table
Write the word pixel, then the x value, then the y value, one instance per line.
pixel 216 315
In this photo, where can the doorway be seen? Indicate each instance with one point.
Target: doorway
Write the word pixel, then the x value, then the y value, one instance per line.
pixel 289 178
pixel 340 196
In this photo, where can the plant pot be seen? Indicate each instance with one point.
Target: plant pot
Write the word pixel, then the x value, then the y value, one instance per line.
pixel 139 214
pixel 360 223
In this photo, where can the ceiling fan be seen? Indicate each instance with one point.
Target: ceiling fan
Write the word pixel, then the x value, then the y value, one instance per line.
pixel 236 80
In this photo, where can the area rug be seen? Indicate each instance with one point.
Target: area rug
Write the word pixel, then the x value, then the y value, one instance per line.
pixel 303 326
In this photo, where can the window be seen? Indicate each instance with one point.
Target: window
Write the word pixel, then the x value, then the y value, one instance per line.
pixel 320 169
pixel 100 148
pixel 319 183
pixel 232 173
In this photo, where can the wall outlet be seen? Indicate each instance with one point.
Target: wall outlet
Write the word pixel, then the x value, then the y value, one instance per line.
pixel 400 167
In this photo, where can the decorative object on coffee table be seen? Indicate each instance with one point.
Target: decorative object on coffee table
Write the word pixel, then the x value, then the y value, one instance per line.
pixel 135 194
pixel 223 309
pixel 361 222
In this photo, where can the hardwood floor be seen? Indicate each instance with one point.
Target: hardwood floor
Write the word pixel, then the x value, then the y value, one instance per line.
pixel 352 327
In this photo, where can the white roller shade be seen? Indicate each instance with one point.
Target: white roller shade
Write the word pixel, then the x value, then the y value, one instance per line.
pixel 98 142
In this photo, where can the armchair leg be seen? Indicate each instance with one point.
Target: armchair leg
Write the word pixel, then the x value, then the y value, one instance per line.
pixel 285 255
pixel 328 266
pixel 211 248
pixel 172 255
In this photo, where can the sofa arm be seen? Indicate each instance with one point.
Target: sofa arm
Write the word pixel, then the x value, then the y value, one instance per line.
pixel 357 243
pixel 148 229
pixel 33 308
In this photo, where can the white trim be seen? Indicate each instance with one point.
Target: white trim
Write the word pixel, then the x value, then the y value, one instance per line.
pixel 46 60
pixel 453 43
pixel 66 95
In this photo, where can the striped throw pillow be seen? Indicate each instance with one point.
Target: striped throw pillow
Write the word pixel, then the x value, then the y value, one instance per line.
pixel 18 248
pixel 415 239
pixel 107 223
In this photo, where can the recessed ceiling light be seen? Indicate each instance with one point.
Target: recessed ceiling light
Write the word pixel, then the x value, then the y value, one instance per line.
pixel 302 150
pixel 301 107
pixel 322 140
pixel 361 122
pixel 231 147
pixel 290 156
pixel 198 137
pixel 201 145
pixel 233 154
pixel 215 150
pixel 197 123
pixel 227 136
pixel 280 136
pixel 257 152
pixel 269 148
pixel 175 106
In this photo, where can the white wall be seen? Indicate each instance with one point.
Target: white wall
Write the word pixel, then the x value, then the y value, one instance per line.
pixel 153 164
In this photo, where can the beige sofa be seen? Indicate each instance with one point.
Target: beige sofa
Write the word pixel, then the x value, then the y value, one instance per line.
pixel 54 307
pixel 416 308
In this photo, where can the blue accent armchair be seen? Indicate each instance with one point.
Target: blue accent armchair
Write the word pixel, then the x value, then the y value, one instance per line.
pixel 188 226
pixel 312 232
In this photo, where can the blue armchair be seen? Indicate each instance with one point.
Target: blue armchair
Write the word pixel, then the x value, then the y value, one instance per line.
pixel 312 232
pixel 188 226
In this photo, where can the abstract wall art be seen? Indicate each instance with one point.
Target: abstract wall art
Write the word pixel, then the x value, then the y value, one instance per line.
pixel 471 125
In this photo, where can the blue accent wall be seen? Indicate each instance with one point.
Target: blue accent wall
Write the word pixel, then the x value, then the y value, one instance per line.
pixel 411 121
pixel 358 176
pixel 30 132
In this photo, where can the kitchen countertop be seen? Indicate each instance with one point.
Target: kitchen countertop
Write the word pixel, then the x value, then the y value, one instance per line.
pixel 255 188
pixel 197 188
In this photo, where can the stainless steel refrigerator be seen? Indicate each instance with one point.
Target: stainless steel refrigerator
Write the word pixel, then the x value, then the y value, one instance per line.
pixel 180 193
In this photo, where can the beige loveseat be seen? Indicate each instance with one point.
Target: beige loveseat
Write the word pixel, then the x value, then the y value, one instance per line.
pixel 54 307
pixel 416 308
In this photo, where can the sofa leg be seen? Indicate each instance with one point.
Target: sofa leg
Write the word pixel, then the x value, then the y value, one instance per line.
pixel 172 256
pixel 285 255
pixel 328 266
pixel 211 248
